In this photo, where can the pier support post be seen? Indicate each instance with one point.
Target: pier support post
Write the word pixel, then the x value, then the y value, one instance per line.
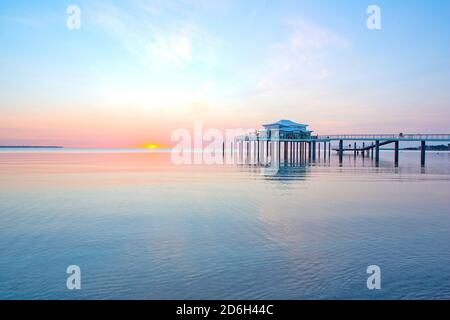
pixel 341 150
pixel 377 151
pixel 299 152
pixel 309 151
pixel 314 151
pixel 241 151
pixel 296 151
pixel 324 151
pixel 302 151
pixel 318 150
pixel 279 152
pixel 257 150
pixel 422 153
pixel 300 155
pixel 270 157
pixel 289 152
pixel 396 151
pixel 354 149
pixel 305 148
pixel 292 151
pixel 363 152
pixel 262 152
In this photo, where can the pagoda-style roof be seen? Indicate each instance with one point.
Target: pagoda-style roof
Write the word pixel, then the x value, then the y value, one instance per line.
pixel 286 125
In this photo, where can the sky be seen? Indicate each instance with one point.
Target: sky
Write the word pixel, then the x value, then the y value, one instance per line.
pixel 136 71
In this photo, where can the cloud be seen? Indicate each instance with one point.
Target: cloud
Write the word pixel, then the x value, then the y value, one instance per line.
pixel 303 55
pixel 158 37
pixel 305 36
pixel 173 49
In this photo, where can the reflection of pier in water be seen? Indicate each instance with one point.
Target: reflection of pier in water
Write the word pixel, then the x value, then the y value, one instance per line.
pixel 273 171
pixel 358 165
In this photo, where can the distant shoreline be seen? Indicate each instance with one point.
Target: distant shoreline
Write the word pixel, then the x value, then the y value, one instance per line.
pixel 31 147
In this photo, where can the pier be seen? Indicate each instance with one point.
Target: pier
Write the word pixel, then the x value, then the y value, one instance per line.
pixel 288 142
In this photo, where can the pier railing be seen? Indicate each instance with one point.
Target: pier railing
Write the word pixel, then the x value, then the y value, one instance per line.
pixel 262 136
pixel 410 137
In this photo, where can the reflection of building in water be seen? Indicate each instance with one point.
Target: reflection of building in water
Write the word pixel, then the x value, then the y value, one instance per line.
pixel 286 173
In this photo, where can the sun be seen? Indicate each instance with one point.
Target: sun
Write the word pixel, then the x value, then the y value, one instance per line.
pixel 152 146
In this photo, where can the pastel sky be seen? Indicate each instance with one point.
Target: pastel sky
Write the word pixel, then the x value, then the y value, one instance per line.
pixel 137 70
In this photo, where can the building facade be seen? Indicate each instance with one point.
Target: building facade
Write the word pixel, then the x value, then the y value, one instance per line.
pixel 285 129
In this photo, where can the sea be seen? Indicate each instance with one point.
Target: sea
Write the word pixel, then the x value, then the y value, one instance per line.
pixel 139 226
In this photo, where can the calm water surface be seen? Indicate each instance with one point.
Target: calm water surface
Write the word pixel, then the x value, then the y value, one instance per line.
pixel 140 227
